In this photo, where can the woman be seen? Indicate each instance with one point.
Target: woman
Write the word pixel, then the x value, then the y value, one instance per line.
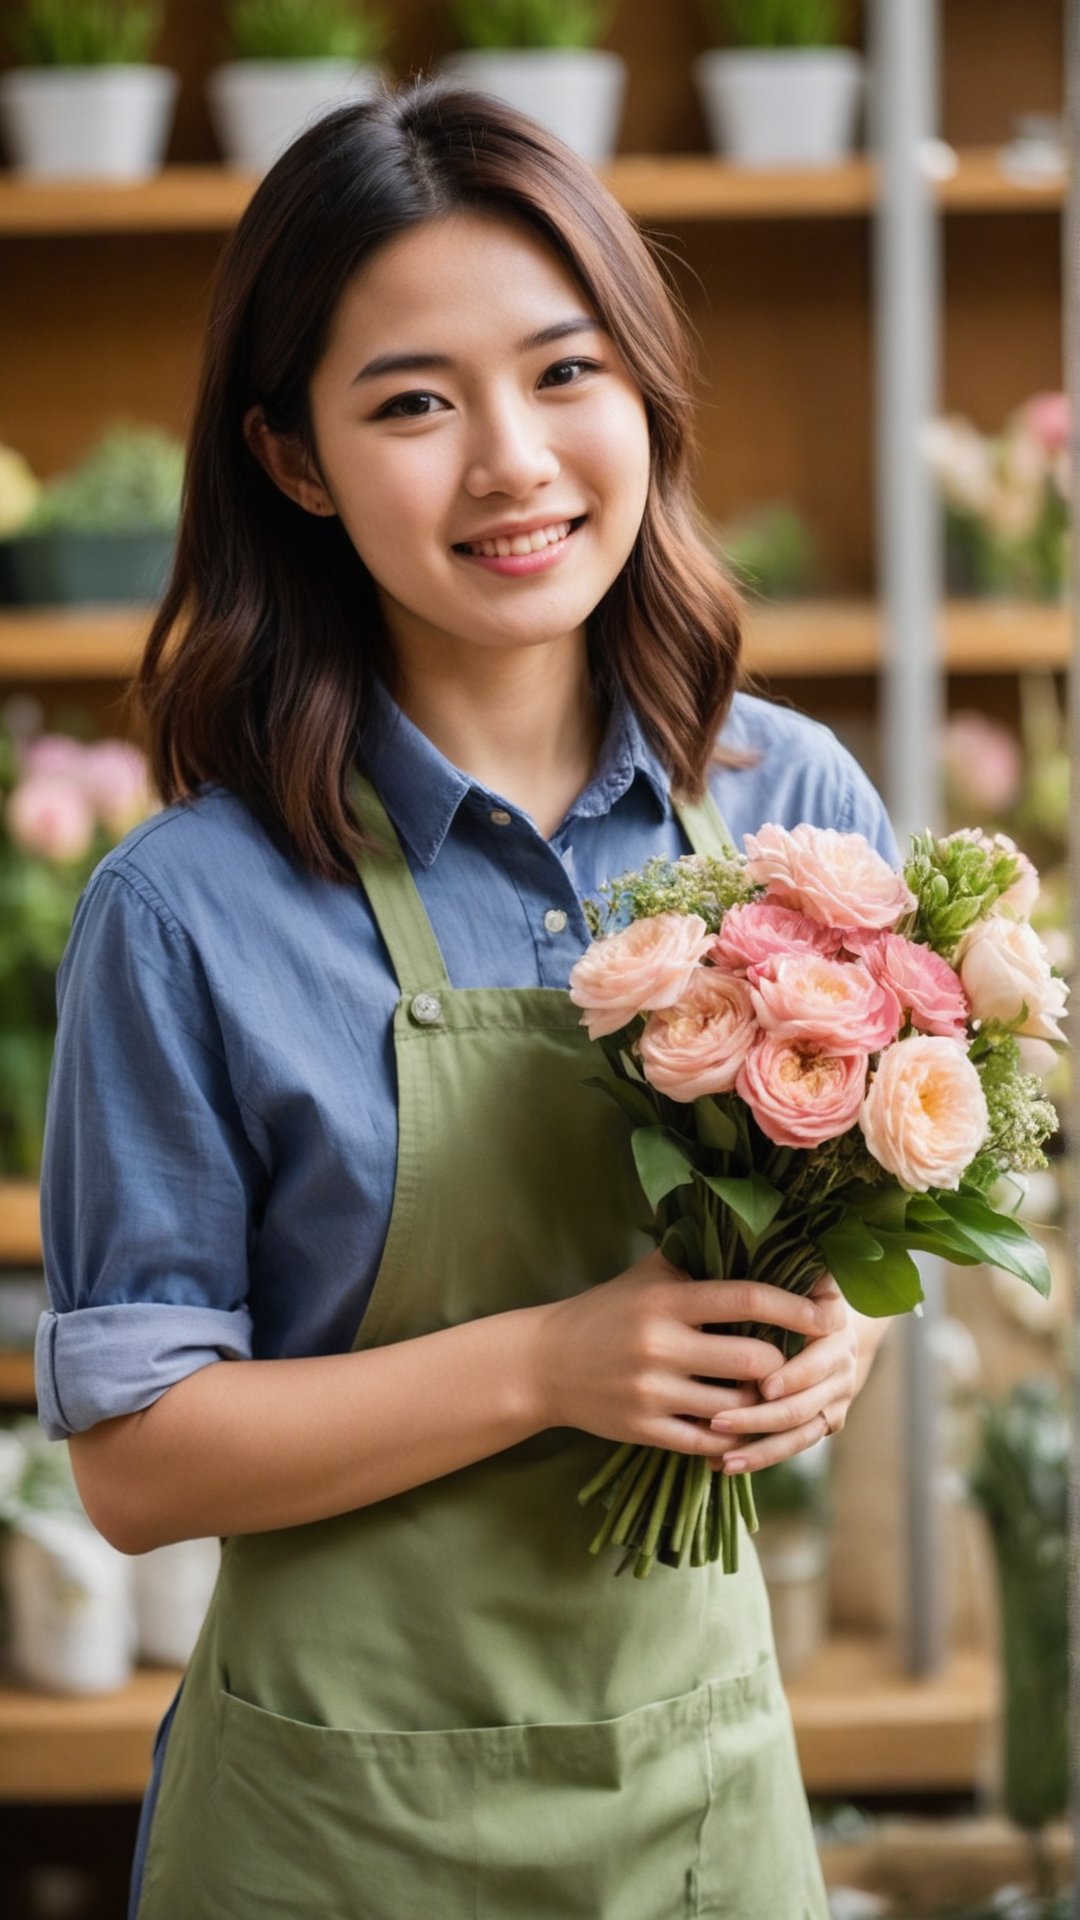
pixel 446 652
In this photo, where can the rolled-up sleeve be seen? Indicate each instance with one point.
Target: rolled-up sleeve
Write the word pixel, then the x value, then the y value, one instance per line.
pixel 150 1185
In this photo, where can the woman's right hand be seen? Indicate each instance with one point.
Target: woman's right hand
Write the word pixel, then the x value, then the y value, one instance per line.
pixel 629 1359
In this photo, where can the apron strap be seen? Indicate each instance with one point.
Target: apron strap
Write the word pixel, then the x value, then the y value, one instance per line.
pixel 396 903
pixel 705 827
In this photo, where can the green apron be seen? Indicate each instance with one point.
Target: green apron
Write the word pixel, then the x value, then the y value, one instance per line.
pixel 441 1703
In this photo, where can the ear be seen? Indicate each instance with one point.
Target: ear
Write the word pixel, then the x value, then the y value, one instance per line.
pixel 284 459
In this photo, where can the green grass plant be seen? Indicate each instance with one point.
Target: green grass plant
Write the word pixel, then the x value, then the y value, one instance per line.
pixel 305 30
pixel 488 25
pixel 779 23
pixel 85 33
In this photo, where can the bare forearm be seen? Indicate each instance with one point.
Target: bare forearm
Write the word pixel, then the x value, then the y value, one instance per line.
pixel 250 1446
pixel 871 1334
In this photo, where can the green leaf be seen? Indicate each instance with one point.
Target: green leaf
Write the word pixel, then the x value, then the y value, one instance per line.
pixel 874 1279
pixel 711 1248
pixel 636 1105
pixel 882 1207
pixel 753 1200
pixel 997 1238
pixel 715 1127
pixel 661 1162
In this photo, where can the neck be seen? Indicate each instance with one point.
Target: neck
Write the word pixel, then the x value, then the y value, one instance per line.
pixel 526 726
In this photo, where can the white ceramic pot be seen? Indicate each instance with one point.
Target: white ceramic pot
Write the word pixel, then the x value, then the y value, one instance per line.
pixel 72 1620
pixel 173 1586
pixel 793 106
pixel 108 123
pixel 576 92
pixel 258 107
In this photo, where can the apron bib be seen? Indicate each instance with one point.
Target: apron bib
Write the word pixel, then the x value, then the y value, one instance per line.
pixel 441 1702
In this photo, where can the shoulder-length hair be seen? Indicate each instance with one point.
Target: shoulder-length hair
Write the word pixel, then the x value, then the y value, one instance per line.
pixel 272 616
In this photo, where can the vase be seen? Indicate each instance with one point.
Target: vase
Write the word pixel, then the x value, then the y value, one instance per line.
pixel 258 107
pixel 109 123
pixel 577 93
pixel 785 107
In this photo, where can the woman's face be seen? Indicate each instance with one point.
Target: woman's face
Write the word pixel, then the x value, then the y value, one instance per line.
pixel 486 429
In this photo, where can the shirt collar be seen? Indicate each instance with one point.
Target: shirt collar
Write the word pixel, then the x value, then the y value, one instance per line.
pixel 422 791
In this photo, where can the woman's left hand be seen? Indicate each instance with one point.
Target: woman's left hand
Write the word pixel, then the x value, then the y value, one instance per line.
pixel 820 1380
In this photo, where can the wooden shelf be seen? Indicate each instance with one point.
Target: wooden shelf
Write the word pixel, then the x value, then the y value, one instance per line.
pixel 862 1726
pixel 806 639
pixel 651 186
pixel 17 1379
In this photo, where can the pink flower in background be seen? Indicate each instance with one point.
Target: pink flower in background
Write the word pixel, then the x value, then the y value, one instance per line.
pixel 984 764
pixel 755 932
pixel 836 878
pixel 928 989
pixel 52 753
pixel 834 1005
pixel 1005 967
pixel 800 1097
pixel 645 966
pixel 50 814
pixel 925 1117
pixel 115 776
pixel 1047 417
pixel 697 1046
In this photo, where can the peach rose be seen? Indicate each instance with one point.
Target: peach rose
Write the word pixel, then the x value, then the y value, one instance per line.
pixel 801 1096
pixel 755 932
pixel 697 1046
pixel 924 1117
pixel 51 815
pixel 645 966
pixel 928 989
pixel 1004 966
pixel 835 878
pixel 834 1005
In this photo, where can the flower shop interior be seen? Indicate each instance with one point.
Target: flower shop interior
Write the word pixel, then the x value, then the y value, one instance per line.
pixel 917 1584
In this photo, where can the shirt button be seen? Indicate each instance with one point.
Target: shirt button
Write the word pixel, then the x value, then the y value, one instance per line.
pixel 426 1009
pixel 555 920
pixel 499 817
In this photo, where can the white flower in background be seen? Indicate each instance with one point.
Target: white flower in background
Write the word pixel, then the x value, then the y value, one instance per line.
pixel 961 458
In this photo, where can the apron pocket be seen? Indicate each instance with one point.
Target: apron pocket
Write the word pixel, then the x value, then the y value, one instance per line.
pixel 758 1853
pixel 562 1821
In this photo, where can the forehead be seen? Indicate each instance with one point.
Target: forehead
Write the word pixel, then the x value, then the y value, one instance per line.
pixel 471 275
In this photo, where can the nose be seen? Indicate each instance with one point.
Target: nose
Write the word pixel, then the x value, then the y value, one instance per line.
pixel 511 451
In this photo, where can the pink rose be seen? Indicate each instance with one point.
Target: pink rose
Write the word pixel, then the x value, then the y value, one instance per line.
pixel 835 878
pixel 697 1046
pixel 928 989
pixel 647 965
pixel 800 1097
pixel 114 774
pixel 760 929
pixel 983 762
pixel 834 1005
pixel 1047 416
pixel 51 815
pixel 1004 967
pixel 52 753
pixel 924 1117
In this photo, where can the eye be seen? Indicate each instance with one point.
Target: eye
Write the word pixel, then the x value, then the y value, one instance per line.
pixel 590 366
pixel 392 409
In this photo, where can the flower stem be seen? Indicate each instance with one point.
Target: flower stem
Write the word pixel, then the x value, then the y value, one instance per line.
pixel 744 1488
pixel 607 1472
pixel 650 1468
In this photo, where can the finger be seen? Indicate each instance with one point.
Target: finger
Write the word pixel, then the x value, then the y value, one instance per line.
pixel 730 1356
pixel 691 1436
pixel 827 1296
pixel 706 1301
pixel 703 1398
pixel 777 1446
pixel 797 1410
pixel 815 1363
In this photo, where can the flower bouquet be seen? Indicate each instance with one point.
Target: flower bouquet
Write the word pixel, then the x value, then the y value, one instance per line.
pixel 819 1060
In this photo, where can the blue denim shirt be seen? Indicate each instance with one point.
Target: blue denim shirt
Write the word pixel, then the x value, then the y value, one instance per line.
pixel 221 1133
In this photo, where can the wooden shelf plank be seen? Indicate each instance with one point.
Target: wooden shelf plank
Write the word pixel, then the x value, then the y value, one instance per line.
pixel 20 1225
pixel 693 186
pixel 861 1725
pixel 802 639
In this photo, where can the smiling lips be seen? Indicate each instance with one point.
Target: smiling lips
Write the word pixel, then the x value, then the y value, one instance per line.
pixel 524 552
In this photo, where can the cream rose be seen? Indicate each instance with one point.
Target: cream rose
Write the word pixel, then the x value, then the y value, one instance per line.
pixel 924 1117
pixel 698 1046
pixel 645 966
pixel 836 878
pixel 1004 967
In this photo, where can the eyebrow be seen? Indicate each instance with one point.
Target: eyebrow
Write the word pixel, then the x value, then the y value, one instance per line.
pixel 418 362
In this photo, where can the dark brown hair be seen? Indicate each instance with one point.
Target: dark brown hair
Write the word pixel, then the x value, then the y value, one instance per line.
pixel 272 616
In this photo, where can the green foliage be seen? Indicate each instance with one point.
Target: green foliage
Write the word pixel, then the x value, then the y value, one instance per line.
pixel 771 551
pixel 130 480
pixel 305 30
pixel 1021 1116
pixel 492 24
pixel 779 23
pixel 698 883
pixel 956 882
pixel 85 33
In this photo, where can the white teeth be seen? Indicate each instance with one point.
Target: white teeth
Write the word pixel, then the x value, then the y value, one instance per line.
pixel 522 543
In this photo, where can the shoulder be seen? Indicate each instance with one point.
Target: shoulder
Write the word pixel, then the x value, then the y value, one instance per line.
pixel 801 772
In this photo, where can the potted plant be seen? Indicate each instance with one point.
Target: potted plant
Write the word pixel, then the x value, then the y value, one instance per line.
pixel 63 804
pixel 104 530
pixel 83 102
pixel 784 93
pixel 541 57
pixel 292 60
